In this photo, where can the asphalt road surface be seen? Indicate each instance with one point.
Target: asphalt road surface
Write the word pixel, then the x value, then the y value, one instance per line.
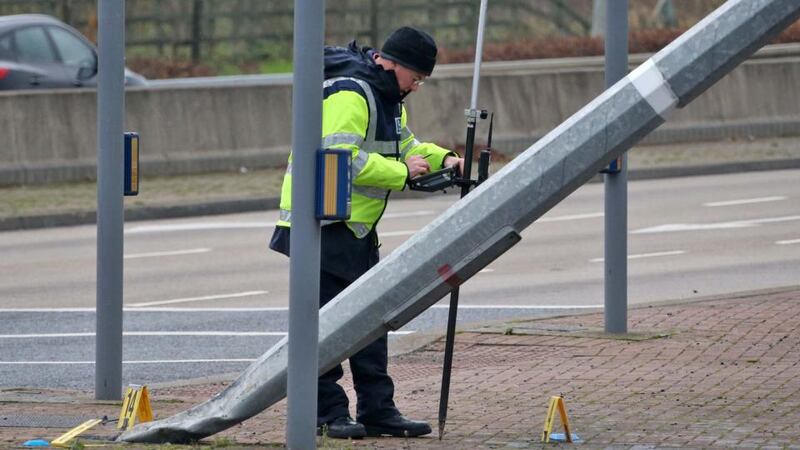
pixel 205 295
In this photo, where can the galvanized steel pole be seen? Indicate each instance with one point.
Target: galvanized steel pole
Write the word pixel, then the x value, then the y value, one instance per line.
pixel 309 35
pixel 616 183
pixel 110 119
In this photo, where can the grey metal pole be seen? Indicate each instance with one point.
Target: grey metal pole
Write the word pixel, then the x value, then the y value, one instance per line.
pixel 616 184
pixel 309 35
pixel 110 118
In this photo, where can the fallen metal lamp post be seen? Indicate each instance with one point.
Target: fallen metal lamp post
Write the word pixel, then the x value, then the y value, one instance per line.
pixel 486 223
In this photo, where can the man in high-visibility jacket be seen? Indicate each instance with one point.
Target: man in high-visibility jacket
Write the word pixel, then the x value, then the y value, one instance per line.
pixel 363 111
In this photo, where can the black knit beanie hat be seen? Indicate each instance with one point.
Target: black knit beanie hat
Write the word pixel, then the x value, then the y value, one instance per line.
pixel 412 48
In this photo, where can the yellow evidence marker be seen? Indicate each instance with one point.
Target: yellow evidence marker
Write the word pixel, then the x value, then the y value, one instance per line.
pixel 65 439
pixel 135 405
pixel 556 403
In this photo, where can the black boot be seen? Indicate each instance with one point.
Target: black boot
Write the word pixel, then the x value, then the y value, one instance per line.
pixel 397 426
pixel 342 427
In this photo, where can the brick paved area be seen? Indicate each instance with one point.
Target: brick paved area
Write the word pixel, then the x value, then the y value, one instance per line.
pixel 720 373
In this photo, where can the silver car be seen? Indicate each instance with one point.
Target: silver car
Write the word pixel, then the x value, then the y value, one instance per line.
pixel 38 51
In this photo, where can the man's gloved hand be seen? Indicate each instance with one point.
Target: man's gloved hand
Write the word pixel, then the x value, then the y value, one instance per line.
pixel 417 165
pixel 458 163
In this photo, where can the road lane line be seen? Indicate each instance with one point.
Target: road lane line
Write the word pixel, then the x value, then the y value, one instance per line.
pixel 143 309
pixel 788 242
pixel 147 333
pixel 571 217
pixel 205 226
pixel 384 234
pixel 672 227
pixel 191 251
pixel 400 215
pixel 196 226
pixel 645 255
pixel 166 333
pixel 154 361
pixel 542 220
pixel 745 201
pixel 519 306
pixel 200 299
pixel 270 309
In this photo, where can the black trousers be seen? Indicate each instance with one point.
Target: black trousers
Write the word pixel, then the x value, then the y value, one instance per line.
pixel 345 258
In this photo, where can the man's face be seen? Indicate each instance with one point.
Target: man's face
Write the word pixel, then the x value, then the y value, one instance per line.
pixel 407 80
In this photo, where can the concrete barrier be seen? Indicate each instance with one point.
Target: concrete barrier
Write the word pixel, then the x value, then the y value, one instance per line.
pixel 216 125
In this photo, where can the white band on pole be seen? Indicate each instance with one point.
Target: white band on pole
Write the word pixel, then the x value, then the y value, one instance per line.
pixel 650 82
pixel 476 70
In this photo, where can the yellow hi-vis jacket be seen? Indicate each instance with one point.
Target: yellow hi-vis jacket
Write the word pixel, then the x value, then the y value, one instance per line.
pixel 355 118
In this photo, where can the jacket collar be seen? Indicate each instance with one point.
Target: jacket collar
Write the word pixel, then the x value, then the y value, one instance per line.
pixel 358 62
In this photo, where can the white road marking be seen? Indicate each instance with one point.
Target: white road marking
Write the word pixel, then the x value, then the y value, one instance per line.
pixel 203 226
pixel 271 309
pixel 745 201
pixel 520 306
pixel 165 333
pixel 645 255
pixel 788 242
pixel 147 333
pixel 196 226
pixel 191 251
pixel 667 228
pixel 200 299
pixel 144 309
pixel 154 361
pixel 384 234
pixel 542 220
pixel 400 215
pixel 571 217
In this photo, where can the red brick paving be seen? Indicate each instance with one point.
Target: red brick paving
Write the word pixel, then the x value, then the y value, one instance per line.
pixel 726 376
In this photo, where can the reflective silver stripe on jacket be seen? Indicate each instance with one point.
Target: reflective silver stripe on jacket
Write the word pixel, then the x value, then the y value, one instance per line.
pixel 405 133
pixel 359 229
pixel 408 148
pixel 360 161
pixel 342 138
pixel 371 192
pixel 369 144
pixel 384 148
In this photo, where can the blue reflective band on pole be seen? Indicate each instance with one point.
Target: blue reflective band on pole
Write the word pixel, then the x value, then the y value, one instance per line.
pixel 333 184
pixel 131 164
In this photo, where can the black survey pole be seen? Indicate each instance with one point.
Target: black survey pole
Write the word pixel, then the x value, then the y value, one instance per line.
pixel 472 118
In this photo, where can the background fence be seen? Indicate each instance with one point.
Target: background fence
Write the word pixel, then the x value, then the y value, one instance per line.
pixel 236 31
